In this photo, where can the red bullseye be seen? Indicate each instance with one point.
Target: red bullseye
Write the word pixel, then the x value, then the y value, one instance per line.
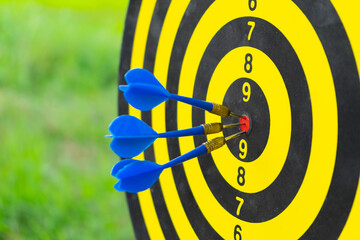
pixel 244 123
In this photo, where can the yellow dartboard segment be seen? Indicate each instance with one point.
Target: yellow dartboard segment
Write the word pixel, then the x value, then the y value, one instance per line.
pixel 167 37
pixel 349 14
pixel 137 59
pixel 291 68
pixel 305 207
pixel 261 172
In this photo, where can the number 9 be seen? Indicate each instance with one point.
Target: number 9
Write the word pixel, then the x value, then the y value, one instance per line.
pixel 243 149
pixel 246 91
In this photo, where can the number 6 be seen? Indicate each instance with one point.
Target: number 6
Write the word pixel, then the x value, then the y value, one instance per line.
pixel 237 233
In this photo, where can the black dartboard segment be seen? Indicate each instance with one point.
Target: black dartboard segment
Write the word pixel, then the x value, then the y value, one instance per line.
pixel 287 64
pixel 258 112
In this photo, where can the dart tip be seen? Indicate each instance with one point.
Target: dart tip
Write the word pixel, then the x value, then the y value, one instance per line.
pixel 234 136
pixel 109 136
pixel 123 88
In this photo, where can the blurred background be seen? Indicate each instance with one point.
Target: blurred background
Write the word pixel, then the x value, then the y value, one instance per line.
pixel 58 94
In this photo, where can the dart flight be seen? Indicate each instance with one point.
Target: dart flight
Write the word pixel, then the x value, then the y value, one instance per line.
pixel 144 92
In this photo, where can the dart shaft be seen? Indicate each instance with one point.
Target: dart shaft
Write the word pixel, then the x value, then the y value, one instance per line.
pixel 182 133
pixel 206 147
pixel 207 128
pixel 214 144
pixel 192 101
pixel 234 136
pixel 214 108
pixel 220 110
pixel 210 128
pixel 218 142
pixel 232 125
pixel 189 155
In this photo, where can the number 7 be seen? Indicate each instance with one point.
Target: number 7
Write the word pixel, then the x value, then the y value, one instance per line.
pixel 241 202
pixel 252 26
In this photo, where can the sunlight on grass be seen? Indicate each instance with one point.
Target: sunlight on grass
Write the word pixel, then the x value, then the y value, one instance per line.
pixel 58 77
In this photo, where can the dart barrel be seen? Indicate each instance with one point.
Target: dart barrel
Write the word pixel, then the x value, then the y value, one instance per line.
pixel 290 66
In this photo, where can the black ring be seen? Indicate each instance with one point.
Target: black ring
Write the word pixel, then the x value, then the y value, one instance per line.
pixel 336 208
pixel 257 109
pixel 198 222
pixel 137 218
pixel 266 204
pixel 332 217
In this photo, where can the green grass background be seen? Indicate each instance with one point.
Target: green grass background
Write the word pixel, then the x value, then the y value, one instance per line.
pixel 58 91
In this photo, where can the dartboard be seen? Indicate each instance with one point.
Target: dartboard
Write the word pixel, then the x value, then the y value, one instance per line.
pixel 290 66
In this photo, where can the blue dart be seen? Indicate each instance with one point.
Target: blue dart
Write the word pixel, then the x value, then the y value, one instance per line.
pixel 132 136
pixel 138 175
pixel 144 92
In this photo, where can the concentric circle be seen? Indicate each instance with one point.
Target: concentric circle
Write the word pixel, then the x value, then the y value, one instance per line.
pixel 297 59
pixel 245 97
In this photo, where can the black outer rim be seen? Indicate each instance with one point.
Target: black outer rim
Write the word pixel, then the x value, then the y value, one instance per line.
pixel 328 224
pixel 155 28
pixel 192 16
pixel 137 218
pixel 332 217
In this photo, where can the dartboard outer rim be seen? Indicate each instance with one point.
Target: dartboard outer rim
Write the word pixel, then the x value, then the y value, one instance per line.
pixel 133 10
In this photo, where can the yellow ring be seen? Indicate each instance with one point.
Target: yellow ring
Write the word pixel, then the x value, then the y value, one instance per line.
pixel 304 208
pixel 166 41
pixel 261 172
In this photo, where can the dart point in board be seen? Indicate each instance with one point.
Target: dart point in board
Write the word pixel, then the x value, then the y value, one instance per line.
pixel 144 92
pixel 245 123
